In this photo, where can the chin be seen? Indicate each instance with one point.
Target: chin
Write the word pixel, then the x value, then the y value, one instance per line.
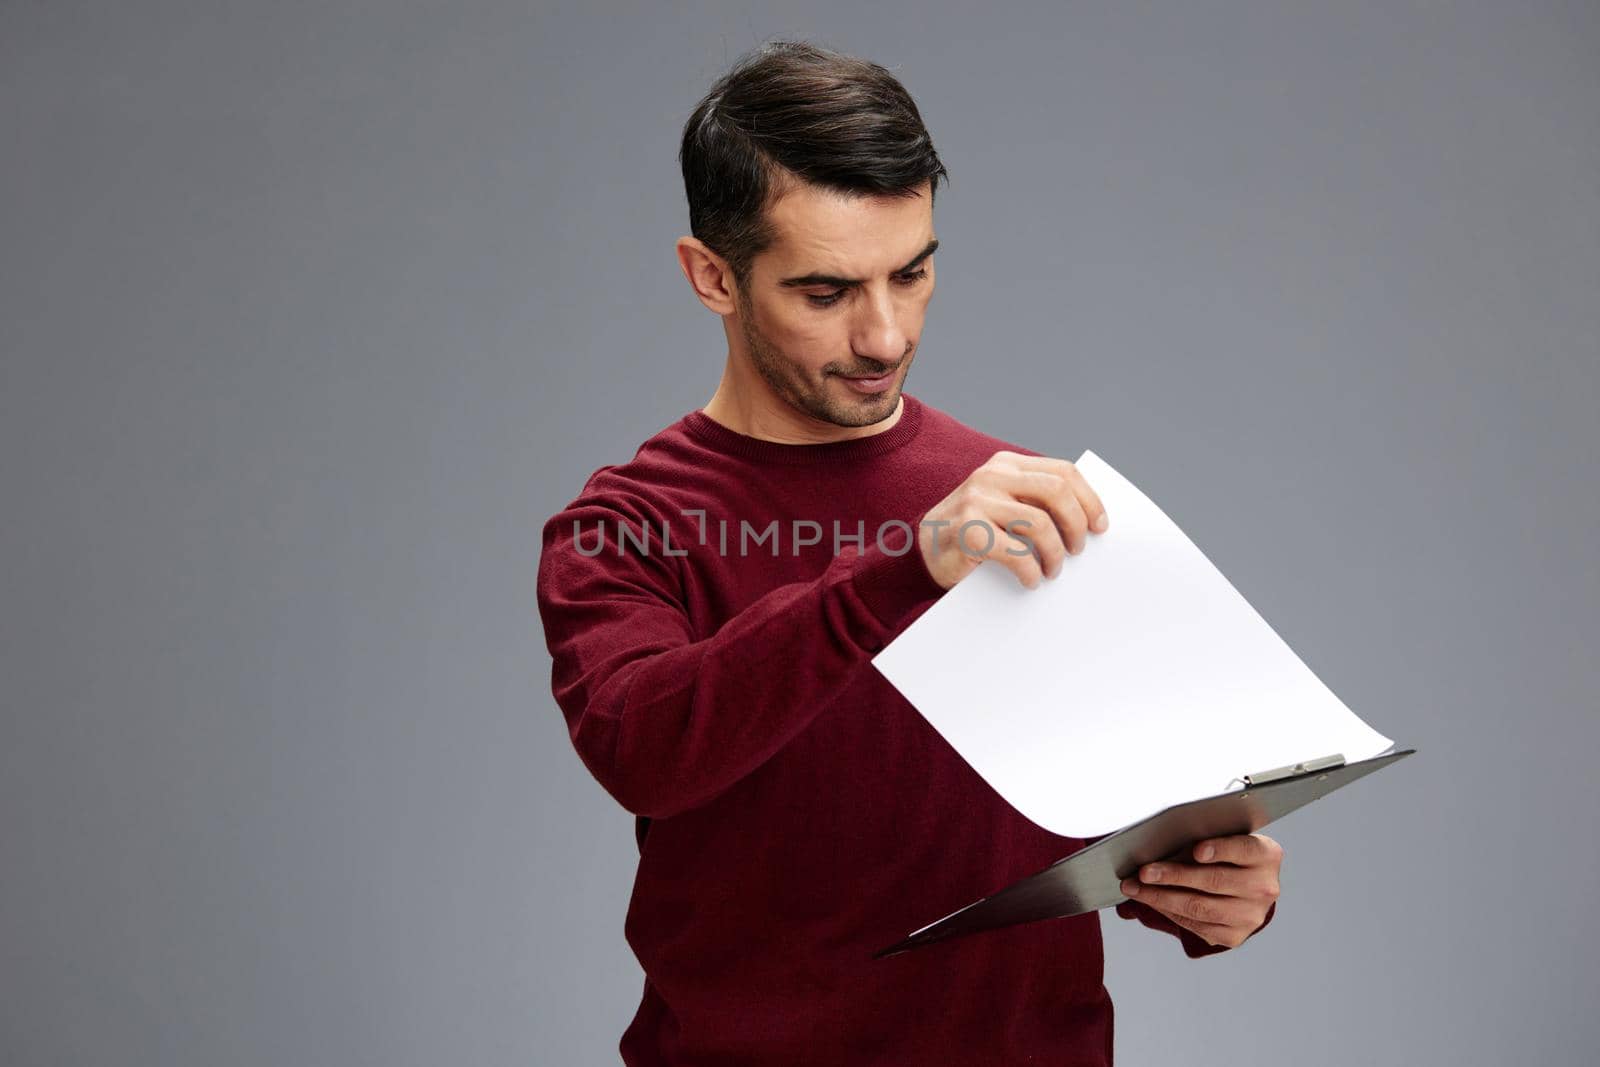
pixel 860 409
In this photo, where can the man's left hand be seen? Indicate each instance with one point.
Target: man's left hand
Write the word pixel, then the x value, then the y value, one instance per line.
pixel 1223 896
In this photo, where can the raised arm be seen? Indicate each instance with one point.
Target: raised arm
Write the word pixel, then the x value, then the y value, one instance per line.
pixel 666 719
pixel 666 722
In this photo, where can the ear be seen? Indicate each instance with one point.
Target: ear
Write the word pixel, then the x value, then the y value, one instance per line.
pixel 708 275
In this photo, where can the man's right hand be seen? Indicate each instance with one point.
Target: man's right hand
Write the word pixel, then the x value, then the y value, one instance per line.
pixel 1043 500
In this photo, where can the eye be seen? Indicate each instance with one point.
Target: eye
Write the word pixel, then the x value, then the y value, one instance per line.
pixel 834 297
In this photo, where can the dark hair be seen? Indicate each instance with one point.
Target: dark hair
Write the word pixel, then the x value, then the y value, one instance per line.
pixel 788 110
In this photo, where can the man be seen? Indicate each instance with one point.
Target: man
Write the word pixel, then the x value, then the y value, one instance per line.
pixel 712 606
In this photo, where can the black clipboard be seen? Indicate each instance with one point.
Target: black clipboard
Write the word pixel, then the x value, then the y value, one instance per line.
pixel 1091 878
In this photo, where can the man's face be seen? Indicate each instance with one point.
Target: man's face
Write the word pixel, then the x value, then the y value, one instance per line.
pixel 840 295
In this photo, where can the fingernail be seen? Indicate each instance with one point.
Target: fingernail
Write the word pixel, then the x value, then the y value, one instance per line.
pixel 1152 874
pixel 1131 888
pixel 1204 852
pixel 1101 523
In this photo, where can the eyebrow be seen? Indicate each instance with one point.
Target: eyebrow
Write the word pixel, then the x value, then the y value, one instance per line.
pixel 850 283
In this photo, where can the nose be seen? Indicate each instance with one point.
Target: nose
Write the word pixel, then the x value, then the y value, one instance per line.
pixel 878 331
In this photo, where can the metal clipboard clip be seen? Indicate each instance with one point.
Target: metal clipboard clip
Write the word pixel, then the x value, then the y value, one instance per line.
pixel 1292 770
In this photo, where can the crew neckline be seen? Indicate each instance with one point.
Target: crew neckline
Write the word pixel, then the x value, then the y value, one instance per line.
pixel 724 439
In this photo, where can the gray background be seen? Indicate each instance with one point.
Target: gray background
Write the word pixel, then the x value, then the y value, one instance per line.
pixel 312 312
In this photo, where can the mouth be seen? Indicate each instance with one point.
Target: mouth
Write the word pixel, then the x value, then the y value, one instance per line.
pixel 873 384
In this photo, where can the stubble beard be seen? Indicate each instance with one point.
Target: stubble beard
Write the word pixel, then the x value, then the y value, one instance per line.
pixel 780 374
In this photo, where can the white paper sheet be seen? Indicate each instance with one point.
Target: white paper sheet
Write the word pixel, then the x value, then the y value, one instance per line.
pixel 1136 679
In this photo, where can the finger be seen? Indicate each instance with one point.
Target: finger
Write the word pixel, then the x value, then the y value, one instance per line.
pixel 1054 490
pixel 981 537
pixel 1090 500
pixel 1027 568
pixel 1191 904
pixel 1087 498
pixel 1244 850
pixel 1211 933
pixel 1220 879
pixel 1032 528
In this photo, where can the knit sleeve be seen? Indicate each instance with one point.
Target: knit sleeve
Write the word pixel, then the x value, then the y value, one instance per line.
pixel 666 722
pixel 1194 946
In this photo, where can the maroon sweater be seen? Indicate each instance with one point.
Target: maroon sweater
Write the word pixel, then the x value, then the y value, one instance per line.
pixel 794 812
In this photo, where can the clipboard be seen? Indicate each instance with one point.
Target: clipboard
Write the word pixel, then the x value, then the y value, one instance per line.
pixel 1091 878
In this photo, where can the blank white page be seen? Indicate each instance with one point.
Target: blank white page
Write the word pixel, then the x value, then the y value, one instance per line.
pixel 1136 679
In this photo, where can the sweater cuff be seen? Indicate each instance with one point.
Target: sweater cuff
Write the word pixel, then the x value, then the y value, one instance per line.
pixel 892 587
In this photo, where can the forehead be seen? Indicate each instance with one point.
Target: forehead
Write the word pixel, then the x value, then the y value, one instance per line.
pixel 821 230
